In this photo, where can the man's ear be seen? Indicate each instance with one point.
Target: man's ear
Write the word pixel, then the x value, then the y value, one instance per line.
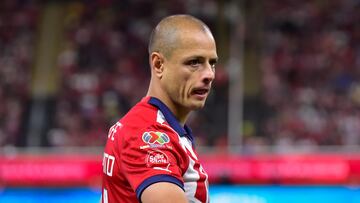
pixel 157 61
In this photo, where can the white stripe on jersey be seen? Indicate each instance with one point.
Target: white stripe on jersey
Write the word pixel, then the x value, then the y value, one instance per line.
pixel 187 145
pixel 160 118
pixel 207 183
pixel 191 176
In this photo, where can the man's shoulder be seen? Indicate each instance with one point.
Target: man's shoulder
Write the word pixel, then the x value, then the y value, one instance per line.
pixel 143 120
pixel 140 118
pixel 141 114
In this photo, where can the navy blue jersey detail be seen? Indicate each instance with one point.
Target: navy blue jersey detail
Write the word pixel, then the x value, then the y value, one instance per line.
pixel 171 119
pixel 155 179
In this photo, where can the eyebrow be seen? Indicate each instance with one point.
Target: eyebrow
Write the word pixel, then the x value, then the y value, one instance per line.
pixel 202 57
pixel 214 59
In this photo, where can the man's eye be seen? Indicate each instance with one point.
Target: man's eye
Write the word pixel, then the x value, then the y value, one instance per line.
pixel 194 62
pixel 213 63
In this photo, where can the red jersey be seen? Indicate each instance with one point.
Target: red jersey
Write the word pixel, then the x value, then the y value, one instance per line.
pixel 146 146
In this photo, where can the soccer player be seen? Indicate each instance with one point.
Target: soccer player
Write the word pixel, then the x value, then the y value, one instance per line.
pixel 149 155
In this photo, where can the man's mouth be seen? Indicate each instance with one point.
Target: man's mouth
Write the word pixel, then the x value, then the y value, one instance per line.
pixel 200 92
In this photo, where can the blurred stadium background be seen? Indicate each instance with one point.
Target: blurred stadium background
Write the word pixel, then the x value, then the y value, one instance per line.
pixel 281 125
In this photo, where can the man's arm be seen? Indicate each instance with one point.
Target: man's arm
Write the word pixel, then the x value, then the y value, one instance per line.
pixel 163 192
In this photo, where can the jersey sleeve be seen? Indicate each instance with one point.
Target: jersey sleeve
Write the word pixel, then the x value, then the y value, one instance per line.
pixel 152 155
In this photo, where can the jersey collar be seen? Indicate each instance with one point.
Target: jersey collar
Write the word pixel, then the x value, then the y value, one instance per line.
pixel 171 119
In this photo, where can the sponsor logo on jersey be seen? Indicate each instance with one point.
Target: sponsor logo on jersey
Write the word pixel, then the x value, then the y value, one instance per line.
pixel 158 160
pixel 156 146
pixel 155 138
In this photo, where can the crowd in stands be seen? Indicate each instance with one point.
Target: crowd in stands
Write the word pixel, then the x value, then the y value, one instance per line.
pixel 311 72
pixel 18 21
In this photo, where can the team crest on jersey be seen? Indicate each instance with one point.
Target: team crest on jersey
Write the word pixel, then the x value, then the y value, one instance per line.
pixel 157 138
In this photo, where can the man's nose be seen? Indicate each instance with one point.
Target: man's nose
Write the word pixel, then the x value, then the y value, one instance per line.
pixel 208 73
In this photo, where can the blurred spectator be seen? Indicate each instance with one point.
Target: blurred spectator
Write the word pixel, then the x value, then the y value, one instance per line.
pixel 311 72
pixel 18 21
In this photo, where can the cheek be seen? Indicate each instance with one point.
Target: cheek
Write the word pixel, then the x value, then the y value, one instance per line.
pixel 170 82
pixel 177 80
pixel 179 86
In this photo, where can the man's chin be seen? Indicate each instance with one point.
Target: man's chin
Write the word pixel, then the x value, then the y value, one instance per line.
pixel 197 105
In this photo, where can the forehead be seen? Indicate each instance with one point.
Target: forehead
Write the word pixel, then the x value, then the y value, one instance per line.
pixel 196 43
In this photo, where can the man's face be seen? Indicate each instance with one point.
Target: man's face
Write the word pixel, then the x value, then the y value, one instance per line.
pixel 190 70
